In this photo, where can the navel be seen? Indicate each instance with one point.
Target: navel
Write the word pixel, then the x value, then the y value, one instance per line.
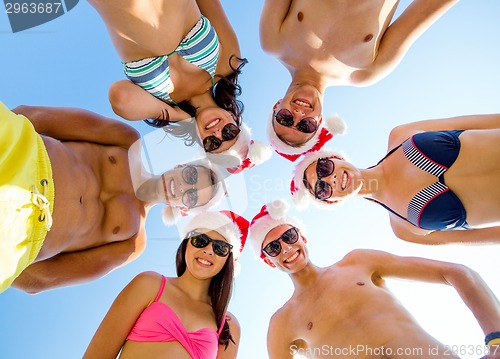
pixel 116 230
pixel 309 325
pixel 112 159
pixel 368 37
pixel 361 283
pixel 300 16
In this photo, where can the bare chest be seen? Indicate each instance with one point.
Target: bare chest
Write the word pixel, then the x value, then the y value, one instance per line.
pixel 94 198
pixel 334 37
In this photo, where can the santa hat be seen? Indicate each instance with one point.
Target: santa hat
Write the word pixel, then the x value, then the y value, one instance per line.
pixel 170 214
pixel 300 194
pixel 334 126
pixel 233 227
pixel 244 153
pixel 271 215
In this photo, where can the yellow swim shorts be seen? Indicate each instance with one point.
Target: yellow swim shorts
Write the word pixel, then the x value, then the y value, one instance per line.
pixel 26 195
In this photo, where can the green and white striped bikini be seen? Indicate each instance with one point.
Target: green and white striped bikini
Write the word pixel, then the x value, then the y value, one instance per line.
pixel 200 47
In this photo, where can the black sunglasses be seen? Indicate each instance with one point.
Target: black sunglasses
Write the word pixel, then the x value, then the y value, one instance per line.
pixel 285 118
pixel 229 132
pixel 190 176
pixel 322 190
pixel 290 236
pixel 201 240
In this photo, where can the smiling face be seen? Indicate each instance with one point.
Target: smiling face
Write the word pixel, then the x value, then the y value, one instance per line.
pixel 203 263
pixel 302 102
pixel 187 186
pixel 343 182
pixel 293 257
pixel 210 122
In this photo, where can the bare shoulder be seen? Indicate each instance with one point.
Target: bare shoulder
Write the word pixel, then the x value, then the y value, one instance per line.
pixel 147 278
pixel 358 257
pixel 146 283
pixel 280 319
pixel 234 326
pixel 232 321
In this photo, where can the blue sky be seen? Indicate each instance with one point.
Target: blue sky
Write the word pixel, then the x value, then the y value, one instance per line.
pixel 451 70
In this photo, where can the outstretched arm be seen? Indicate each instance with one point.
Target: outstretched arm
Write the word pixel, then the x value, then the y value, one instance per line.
pixel 73 124
pixel 273 15
pixel 410 233
pixel 214 12
pixel 232 349
pixel 468 122
pixel 78 267
pixel 133 103
pixel 469 285
pixel 399 37
pixel 121 317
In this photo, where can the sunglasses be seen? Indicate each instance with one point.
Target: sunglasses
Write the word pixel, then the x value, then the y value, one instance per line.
pixel 290 236
pixel 190 176
pixel 285 118
pixel 201 240
pixel 229 132
pixel 322 189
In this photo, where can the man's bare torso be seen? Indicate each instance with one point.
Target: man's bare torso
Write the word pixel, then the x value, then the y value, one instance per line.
pixel 94 198
pixel 334 38
pixel 348 314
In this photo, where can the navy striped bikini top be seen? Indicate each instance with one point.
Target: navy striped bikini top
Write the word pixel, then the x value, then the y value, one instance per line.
pixel 435 207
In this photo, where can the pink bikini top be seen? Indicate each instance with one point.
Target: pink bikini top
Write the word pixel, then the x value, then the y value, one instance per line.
pixel 159 323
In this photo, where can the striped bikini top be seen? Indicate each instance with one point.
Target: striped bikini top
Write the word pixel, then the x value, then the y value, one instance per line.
pixel 159 323
pixel 435 207
pixel 199 47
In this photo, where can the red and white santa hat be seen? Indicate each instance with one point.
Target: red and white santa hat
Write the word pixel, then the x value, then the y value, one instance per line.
pixel 233 227
pixel 271 215
pixel 300 194
pixel 334 126
pixel 244 153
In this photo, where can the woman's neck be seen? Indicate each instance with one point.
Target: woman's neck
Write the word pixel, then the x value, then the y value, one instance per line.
pixel 373 182
pixel 195 288
pixel 203 101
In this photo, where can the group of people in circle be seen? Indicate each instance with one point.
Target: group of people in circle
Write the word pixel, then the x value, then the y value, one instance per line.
pixel 182 60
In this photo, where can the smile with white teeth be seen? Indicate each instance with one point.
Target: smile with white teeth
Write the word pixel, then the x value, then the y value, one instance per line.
pixel 292 258
pixel 205 262
pixel 302 103
pixel 212 124
pixel 172 188
pixel 344 181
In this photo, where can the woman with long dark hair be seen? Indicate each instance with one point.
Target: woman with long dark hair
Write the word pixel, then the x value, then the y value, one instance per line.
pixel 181 317
pixel 182 60
pixel 438 180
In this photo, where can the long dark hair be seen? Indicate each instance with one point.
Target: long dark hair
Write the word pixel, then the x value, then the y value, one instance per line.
pixel 224 92
pixel 220 289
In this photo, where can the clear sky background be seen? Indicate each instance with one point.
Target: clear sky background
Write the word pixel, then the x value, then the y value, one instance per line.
pixel 451 70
